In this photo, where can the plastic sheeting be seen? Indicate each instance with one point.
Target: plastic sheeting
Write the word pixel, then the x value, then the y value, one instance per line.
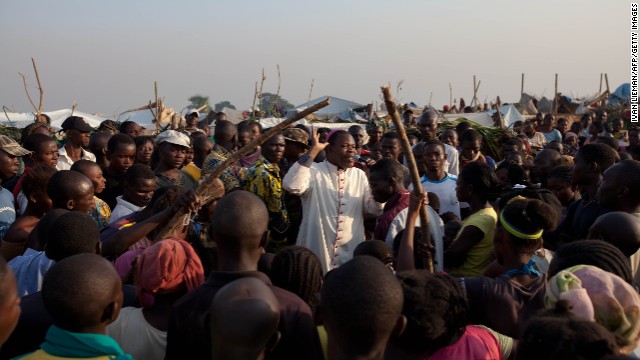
pixel 21 120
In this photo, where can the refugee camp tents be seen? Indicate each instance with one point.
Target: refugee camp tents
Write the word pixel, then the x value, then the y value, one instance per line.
pixel 21 120
pixel 622 95
pixel 339 108
pixel 509 113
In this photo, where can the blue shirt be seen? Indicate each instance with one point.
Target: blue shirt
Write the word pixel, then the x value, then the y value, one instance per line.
pixel 554 135
pixel 7 211
pixel 30 269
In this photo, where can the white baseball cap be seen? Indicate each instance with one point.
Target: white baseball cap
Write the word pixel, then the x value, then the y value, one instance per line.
pixel 173 137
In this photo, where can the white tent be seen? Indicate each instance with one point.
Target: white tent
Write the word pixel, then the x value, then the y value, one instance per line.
pixel 21 120
pixel 509 113
pixel 338 106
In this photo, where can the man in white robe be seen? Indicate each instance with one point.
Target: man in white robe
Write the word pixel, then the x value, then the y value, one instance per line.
pixel 334 197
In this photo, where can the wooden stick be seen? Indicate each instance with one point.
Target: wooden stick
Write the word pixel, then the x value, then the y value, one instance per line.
pixel 264 77
pixel 500 119
pixel 606 80
pixel 555 98
pixel 255 95
pixel 24 81
pixel 474 100
pixel 310 90
pixel 73 107
pixel 275 103
pixel 600 88
pixel 430 97
pixel 450 96
pixel 413 169
pixel 212 183
pixel 157 116
pixel 522 86
pixel 35 69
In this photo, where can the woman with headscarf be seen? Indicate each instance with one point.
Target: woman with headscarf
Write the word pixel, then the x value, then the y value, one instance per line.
pixel 164 272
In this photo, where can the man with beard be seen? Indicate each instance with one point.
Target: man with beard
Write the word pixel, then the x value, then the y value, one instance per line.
pixel 334 195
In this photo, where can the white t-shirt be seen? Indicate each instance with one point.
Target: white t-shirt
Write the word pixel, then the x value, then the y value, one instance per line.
pixel 136 336
pixel 436 229
pixel 445 189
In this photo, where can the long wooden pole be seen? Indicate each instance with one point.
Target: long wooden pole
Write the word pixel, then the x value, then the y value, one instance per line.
pixel 413 169
pixel 555 97
pixel 310 90
pixel 35 69
pixel 522 86
pixel 600 88
pixel 210 182
pixel 450 96
pixel 473 100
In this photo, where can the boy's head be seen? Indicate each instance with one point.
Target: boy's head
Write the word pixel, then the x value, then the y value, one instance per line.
pixel 618 190
pixel 92 171
pixel 471 143
pixel 121 152
pixel 450 136
pixel 10 151
pixel 297 269
pixel 391 145
pixel 436 310
pixel 386 178
pixel 41 232
pixel 548 337
pixel 546 160
pixel 244 320
pixel 239 225
pixel 433 156
pixel 619 229
pixel 34 187
pixel 361 308
pixel 83 293
pixel 172 149
pixel 590 162
pixel 131 128
pixel 9 301
pixel 139 185
pixel 98 143
pixel 71 190
pixel 378 249
pixel 43 149
pixel 70 234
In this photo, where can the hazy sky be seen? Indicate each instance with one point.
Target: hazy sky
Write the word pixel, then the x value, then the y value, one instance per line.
pixel 106 54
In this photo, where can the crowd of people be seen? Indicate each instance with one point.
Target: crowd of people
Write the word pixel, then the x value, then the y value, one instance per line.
pixel 315 248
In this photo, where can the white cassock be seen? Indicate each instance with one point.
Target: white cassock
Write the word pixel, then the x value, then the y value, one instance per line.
pixel 333 202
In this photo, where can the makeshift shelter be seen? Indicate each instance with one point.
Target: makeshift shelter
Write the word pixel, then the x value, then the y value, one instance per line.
pixel 338 109
pixel 509 113
pixel 622 95
pixel 21 120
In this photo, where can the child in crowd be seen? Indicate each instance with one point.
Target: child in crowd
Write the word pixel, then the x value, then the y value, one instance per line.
pixel 144 150
pixel 139 185
pixel 79 331
pixel 121 151
pixel 244 320
pixel 101 212
pixel 34 188
pixel 361 309
pixel 165 271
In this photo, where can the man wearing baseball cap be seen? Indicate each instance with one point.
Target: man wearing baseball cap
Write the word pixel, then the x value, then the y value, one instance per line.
pixel 192 117
pixel 10 151
pixel 78 134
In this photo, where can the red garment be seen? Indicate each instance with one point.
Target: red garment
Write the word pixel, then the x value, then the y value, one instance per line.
pixel 392 207
pixel 476 343
pixel 18 187
pixel 165 267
